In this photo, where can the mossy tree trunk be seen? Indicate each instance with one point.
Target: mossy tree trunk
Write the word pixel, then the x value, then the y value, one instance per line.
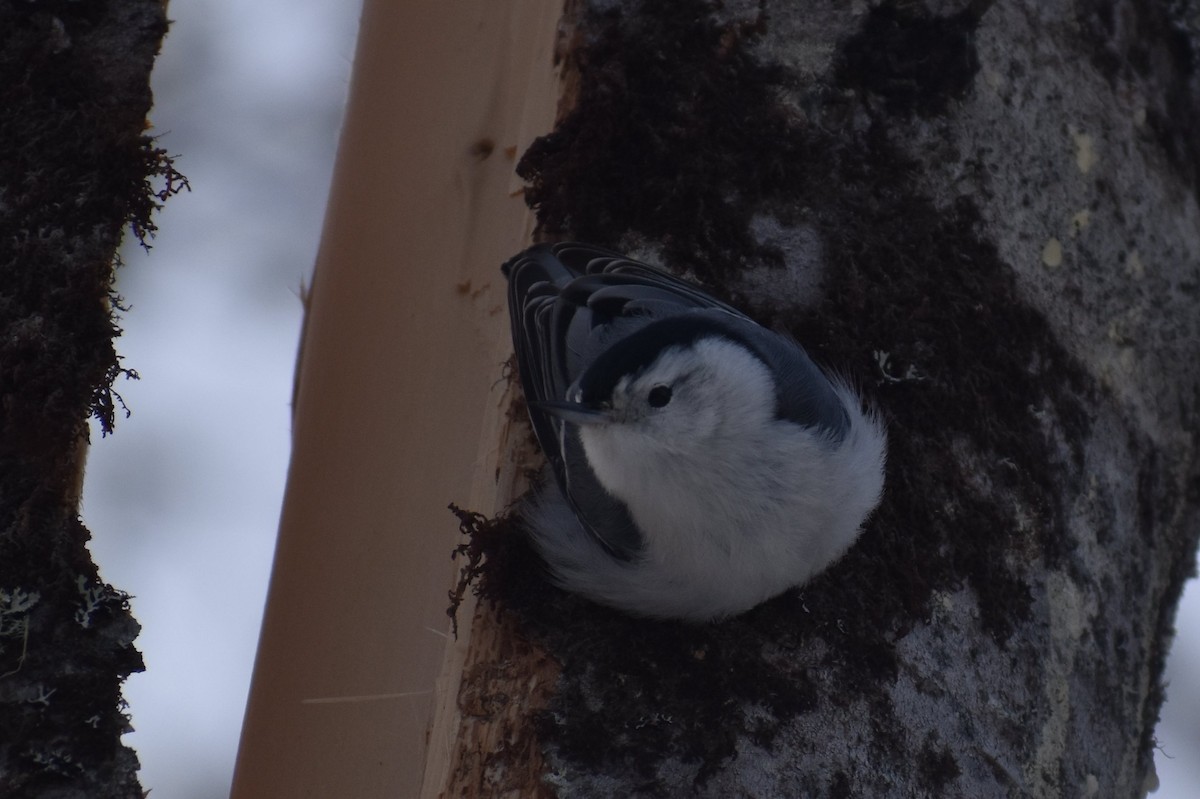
pixel 75 172
pixel 986 214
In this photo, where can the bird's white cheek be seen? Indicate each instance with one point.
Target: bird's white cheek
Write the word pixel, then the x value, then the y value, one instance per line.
pixel 617 456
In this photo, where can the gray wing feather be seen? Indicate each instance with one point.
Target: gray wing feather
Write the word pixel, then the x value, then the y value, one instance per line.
pixel 557 332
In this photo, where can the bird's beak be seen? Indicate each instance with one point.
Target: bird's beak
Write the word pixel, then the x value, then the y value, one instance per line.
pixel 573 412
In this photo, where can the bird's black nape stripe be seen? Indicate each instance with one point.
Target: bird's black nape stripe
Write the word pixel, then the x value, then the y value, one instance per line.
pixel 635 352
pixel 802 392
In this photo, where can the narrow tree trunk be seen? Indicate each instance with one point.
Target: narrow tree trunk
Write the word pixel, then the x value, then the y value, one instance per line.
pixel 74 169
pixel 986 214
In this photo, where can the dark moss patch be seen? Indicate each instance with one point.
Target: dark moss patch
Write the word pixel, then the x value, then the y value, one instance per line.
pixel 78 168
pixel 665 96
pixel 679 136
pixel 507 551
pixel 1155 46
pixel 839 787
pixel 921 283
pixel 914 62
pixel 938 766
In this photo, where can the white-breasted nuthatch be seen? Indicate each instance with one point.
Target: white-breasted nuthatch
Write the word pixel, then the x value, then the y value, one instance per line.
pixel 702 463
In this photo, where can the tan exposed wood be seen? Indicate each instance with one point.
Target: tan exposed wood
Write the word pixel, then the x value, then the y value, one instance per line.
pixel 505 681
pixel 399 400
pixel 483 741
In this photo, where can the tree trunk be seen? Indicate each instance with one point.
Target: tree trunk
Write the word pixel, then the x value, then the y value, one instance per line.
pixel 75 166
pixel 987 215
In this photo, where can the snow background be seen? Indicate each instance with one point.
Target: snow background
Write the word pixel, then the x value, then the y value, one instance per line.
pixel 185 497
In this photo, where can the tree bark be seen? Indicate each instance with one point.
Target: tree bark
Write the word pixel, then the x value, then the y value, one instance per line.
pixel 987 215
pixel 75 170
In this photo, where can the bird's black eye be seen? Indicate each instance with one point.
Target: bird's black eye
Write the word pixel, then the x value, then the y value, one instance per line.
pixel 659 396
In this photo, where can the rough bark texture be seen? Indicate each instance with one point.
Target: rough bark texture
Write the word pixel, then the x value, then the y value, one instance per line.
pixel 987 214
pixel 75 170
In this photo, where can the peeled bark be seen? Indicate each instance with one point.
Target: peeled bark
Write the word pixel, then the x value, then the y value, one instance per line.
pixel 987 215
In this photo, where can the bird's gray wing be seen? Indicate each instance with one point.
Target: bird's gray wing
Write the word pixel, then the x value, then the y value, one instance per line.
pixel 804 394
pixel 570 301
pixel 634 281
pixel 617 288
pixel 556 333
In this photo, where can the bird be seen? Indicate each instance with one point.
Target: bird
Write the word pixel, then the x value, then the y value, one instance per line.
pixel 702 463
